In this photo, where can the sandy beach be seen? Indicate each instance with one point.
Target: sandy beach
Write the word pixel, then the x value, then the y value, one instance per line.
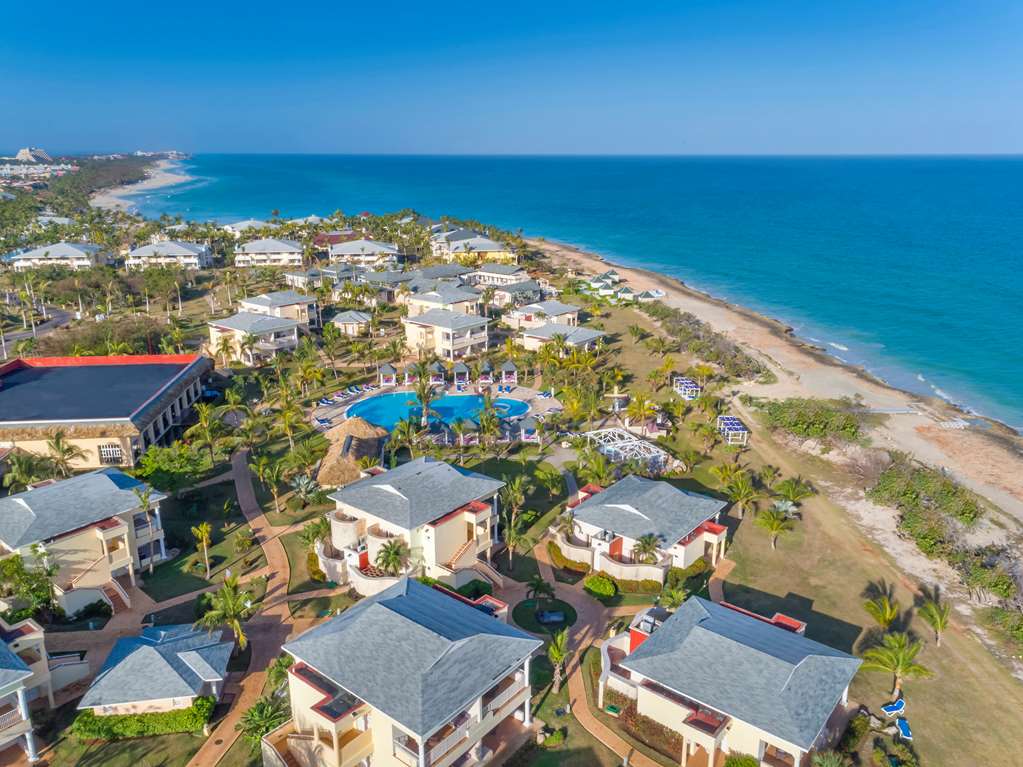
pixel 988 459
pixel 163 173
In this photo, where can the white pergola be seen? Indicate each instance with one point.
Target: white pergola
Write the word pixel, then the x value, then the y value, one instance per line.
pixel 620 445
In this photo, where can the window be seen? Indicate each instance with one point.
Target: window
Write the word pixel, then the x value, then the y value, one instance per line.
pixel 111 454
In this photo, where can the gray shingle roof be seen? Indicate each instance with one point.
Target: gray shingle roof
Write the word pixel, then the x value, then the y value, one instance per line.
pixel 162 662
pixel 387 277
pixel 61 250
pixel 447 294
pixel 48 511
pixel 278 298
pixel 550 308
pixel 363 248
pixel 525 286
pixel 350 317
pixel 417 492
pixel 505 269
pixel 415 653
pixel 476 245
pixel 250 223
pixel 636 506
pixel 12 668
pixel 449 320
pixel 257 324
pixel 774 679
pixel 271 245
pixel 169 248
pixel 441 271
pixel 573 334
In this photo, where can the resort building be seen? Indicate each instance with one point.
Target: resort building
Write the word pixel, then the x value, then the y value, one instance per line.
pixel 572 336
pixel 542 313
pixel 608 525
pixel 92 529
pixel 412 677
pixel 165 668
pixel 70 255
pixel 324 240
pixel 449 335
pixel 731 682
pixel 254 336
pixel 445 515
pixel 310 278
pixel 173 253
pixel 248 226
pixel 284 304
pixel 477 249
pixel 490 275
pixel 111 408
pixel 352 323
pixel 369 253
pixel 443 236
pixel 517 293
pixel 269 252
pixel 24 668
pixel 445 296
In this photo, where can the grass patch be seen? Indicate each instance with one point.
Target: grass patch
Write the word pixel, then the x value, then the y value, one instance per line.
pixel 51 727
pixel 301 579
pixel 523 566
pixel 320 607
pixel 524 614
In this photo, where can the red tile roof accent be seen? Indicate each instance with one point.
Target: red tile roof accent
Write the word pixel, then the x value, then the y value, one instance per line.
pixel 778 619
pixel 117 359
pixel 713 528
pixel 473 507
pixel 485 599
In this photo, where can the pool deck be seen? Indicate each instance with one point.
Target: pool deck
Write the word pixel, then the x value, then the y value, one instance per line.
pixel 538 406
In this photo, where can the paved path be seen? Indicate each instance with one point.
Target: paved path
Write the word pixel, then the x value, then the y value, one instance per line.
pixel 57 318
pixel 716 584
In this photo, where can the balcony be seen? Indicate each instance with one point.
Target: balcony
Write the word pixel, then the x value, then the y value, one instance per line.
pixel 509 689
pixel 405 750
pixel 275 344
pixel 375 531
pixel 11 723
pixel 450 737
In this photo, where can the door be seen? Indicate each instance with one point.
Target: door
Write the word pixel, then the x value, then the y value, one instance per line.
pixel 615 549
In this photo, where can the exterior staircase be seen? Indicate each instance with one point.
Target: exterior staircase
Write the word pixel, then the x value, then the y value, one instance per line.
pixel 452 564
pixel 488 572
pixel 114 596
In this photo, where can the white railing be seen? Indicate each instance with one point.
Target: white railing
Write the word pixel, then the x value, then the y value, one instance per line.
pixel 120 590
pixel 10 719
pixel 450 741
pixel 503 697
pixel 404 754
pixel 487 570
pixel 86 571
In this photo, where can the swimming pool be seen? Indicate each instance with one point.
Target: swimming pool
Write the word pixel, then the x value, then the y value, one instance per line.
pixel 385 410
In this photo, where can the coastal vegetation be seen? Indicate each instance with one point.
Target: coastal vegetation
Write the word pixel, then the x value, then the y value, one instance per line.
pixel 813 418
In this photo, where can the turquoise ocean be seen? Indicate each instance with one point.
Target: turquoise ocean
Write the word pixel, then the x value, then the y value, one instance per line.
pixel 910 267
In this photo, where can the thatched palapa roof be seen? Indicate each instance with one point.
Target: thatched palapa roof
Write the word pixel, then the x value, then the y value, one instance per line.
pixel 337 469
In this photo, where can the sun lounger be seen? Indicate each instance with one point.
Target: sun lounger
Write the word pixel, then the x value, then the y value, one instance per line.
pixel 904 732
pixel 894 709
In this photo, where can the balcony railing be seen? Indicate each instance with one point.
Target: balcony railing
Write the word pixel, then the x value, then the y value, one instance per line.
pixel 503 697
pixel 404 754
pixel 449 741
pixel 10 719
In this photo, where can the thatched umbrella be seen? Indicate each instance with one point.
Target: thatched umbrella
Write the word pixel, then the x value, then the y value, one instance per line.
pixel 340 466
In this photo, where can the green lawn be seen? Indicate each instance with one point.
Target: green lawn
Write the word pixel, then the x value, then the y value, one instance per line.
pixel 524 614
pixel 523 565
pixel 67 751
pixel 297 553
pixel 320 607
pixel 288 516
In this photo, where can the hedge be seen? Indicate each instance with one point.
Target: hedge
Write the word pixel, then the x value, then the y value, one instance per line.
pixel 601 586
pixel 646 586
pixel 313 563
pixel 742 760
pixel 678 576
pixel 475 589
pixel 563 563
pixel 89 726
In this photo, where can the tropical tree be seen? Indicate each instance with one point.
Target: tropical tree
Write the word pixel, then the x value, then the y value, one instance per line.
pixel 208 430
pixel 742 493
pixel 883 610
pixel 793 489
pixel 203 534
pixel 896 655
pixel 265 715
pixel 725 472
pixel 62 453
pixel 393 556
pixel 550 479
pixel 424 393
pixel 936 614
pixel 306 488
pixel 640 410
pixel 316 530
pixel 672 599
pixel 225 348
pixel 828 759
pixel 514 492
pixel 405 433
pixel 277 671
pixel 775 524
pixel 645 548
pixel 144 495
pixel 595 469
pixel 24 469
pixel 558 653
pixel 512 534
pixel 288 420
pixel 539 589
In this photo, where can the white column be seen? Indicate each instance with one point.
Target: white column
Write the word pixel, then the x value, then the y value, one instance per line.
pixel 30 738
pixel 422 752
pixel 527 718
pixel 163 550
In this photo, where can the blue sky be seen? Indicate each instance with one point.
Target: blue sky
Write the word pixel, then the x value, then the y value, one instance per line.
pixel 708 77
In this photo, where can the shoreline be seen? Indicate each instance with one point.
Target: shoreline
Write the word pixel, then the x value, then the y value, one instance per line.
pixel 988 461
pixel 162 174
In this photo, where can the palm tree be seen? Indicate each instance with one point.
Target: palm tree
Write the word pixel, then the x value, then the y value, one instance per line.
pixel 316 530
pixel 207 430
pixel 645 548
pixel 247 346
pixel 277 671
pixel 288 419
pixel 538 589
pixel 775 524
pixel 230 607
pixel 896 655
pixel 405 432
pixel 393 556
pixel 265 715
pixel 672 599
pixel 225 348
pixel 203 534
pixel 742 494
pixel 305 488
pixel 514 492
pixel 564 524
pixel 272 474
pixel 883 610
pixel 794 489
pixel 557 654
pixel 550 479
pixel 146 506
pixel 512 534
pixel 596 469
pixel 62 453
pixel 23 469
pixel 424 393
pixel 936 614
pixel 725 473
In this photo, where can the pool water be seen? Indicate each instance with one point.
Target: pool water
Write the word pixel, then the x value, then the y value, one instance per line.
pixel 385 410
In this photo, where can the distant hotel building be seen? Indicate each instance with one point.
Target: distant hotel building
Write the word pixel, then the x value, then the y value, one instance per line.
pixel 269 252
pixel 184 255
pixel 71 255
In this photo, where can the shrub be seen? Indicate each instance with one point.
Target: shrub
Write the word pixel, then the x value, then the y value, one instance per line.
pixel 555 739
pixel 654 734
pixel 741 760
pixel 97 609
pixel 475 589
pixel 677 576
pixel 313 563
pixel 854 734
pixel 203 603
pixel 559 560
pixel 813 418
pixel 525 756
pixel 601 586
pixel 89 726
pixel 427 580
pixel 646 586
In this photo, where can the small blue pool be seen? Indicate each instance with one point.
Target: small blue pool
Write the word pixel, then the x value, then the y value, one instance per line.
pixel 385 410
